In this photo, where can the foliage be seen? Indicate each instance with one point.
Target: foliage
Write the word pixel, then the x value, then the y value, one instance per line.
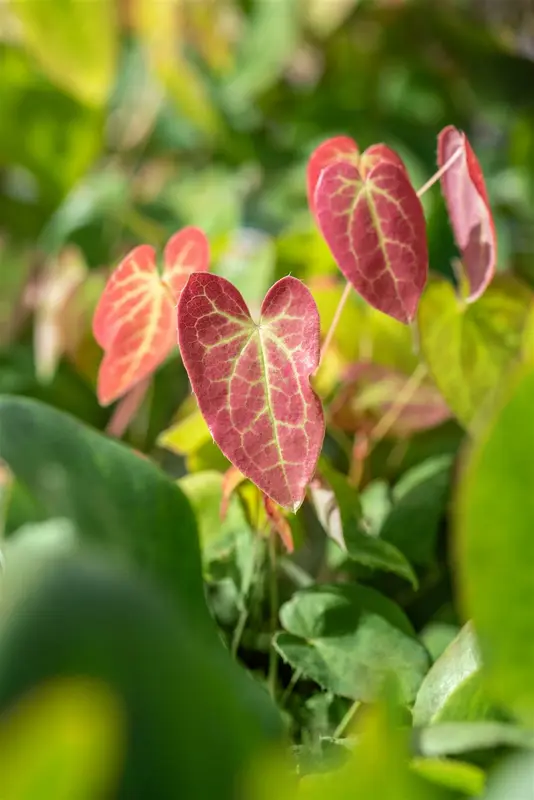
pixel 266 507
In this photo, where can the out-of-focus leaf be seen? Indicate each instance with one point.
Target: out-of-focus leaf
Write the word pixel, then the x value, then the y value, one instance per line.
pixel 66 136
pixel 134 321
pixel 469 210
pixel 452 690
pixel 469 349
pixel 324 16
pixel 419 503
pixel 113 497
pixel 51 294
pixel 249 263
pixel 252 380
pixel 369 391
pixel 454 738
pixel 75 43
pixel 514 778
pixel 458 776
pixel 186 435
pixel 161 28
pixel 495 548
pixel 63 741
pixel 205 491
pixel 349 639
pixel 15 269
pixel 337 506
pixel 265 51
pixel 437 636
pixel 87 616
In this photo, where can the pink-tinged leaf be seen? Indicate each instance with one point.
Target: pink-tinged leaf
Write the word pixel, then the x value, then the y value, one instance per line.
pixel 335 149
pixel 128 290
pixel 469 210
pixel 134 321
pixel 370 390
pixel 279 523
pixel 186 252
pixel 141 344
pixel 373 222
pixel 252 380
pixel 232 478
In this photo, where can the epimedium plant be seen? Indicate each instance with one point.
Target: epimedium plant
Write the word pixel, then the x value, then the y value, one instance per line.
pixel 252 379
pixel 259 389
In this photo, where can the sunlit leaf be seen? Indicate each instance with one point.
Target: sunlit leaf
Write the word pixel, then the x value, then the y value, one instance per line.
pixel 75 43
pixel 62 276
pixel 135 320
pixel 495 546
pixel 62 742
pixel 469 348
pixel 373 222
pixel 329 152
pixel 231 479
pixel 452 689
pixel 459 776
pixel 469 210
pixel 252 380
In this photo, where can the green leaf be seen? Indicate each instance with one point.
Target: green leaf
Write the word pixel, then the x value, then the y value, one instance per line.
pixel 193 718
pixel 453 738
pixel 495 545
pixel 456 775
pixel 217 537
pixel 470 348
pixel 348 639
pixel 114 497
pixel 513 779
pixel 75 43
pixel 452 689
pixel 420 498
pixel 61 742
pixel 338 509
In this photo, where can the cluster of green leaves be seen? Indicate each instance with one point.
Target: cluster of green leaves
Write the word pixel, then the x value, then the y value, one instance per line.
pixel 156 640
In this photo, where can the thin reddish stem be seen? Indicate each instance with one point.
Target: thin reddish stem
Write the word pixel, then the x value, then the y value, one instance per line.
pixel 344 297
pixel 127 409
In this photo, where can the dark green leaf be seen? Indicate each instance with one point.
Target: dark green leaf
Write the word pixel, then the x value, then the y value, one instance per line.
pixel 349 639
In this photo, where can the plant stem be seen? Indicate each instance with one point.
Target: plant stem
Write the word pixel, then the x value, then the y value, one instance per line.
pixel 344 297
pixel 295 678
pixel 340 730
pixel 333 325
pixel 273 597
pixel 127 409
pixel 402 400
pixel 441 171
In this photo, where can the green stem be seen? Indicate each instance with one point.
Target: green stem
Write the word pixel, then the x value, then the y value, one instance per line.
pixel 273 597
pixel 347 719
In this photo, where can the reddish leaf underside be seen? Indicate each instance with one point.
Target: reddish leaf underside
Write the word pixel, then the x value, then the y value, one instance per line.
pixel 252 380
pixel 373 222
pixel 134 322
pixel 469 210
pixel 335 149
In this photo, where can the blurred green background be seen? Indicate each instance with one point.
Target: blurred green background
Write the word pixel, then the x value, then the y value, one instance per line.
pixel 123 120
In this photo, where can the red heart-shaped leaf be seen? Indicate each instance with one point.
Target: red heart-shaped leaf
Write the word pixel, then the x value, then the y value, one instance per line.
pixel 252 380
pixel 134 321
pixel 469 210
pixel 330 151
pixel 373 222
